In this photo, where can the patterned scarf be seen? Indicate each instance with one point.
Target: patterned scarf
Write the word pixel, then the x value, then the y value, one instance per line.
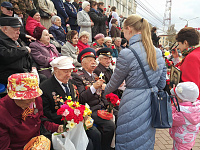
pixel 27 112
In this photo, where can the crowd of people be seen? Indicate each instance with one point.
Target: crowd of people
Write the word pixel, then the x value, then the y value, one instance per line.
pixel 50 48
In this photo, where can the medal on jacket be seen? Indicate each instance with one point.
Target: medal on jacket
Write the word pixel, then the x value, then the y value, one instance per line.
pixel 35 109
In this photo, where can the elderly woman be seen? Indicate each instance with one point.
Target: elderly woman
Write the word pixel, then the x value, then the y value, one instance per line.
pixel 70 48
pixel 21 112
pixel 33 21
pixel 108 43
pixel 48 7
pixel 57 30
pixel 84 21
pixel 42 51
pixel 83 40
pixel 99 40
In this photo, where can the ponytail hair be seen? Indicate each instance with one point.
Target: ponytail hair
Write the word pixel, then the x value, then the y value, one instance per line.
pixel 141 25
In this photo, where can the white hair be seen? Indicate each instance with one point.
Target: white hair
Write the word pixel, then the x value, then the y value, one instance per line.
pixel 53 19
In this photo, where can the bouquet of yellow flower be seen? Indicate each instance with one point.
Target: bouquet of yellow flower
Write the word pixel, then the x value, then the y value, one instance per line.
pixel 72 113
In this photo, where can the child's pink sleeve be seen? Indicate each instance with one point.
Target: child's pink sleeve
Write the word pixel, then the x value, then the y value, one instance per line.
pixel 178 118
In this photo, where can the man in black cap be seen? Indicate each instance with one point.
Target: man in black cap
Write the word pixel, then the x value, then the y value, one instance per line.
pixel 6 9
pixel 105 58
pixel 14 57
pixel 90 92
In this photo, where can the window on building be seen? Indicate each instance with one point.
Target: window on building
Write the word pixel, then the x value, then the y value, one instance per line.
pixel 123 8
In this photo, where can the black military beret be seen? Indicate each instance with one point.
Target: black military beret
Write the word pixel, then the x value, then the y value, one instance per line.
pixel 10 21
pixel 87 52
pixel 105 51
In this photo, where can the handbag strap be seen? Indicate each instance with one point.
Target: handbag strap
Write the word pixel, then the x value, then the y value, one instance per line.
pixel 142 68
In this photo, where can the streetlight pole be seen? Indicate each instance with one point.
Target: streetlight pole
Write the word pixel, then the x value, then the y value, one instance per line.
pixel 188 20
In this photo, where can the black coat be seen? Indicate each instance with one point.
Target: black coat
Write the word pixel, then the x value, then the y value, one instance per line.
pixel 58 34
pixel 97 20
pixel 13 58
pixel 83 82
pixel 107 72
pixel 50 88
pixel 155 39
pixel 102 25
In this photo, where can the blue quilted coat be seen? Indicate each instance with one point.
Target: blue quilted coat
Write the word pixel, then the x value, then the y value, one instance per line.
pixel 134 131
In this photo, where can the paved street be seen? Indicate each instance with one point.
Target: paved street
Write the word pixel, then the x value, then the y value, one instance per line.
pixel 164 141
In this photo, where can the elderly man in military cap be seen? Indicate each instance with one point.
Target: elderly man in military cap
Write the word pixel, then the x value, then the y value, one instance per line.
pixel 89 86
pixel 57 88
pixel 105 58
pixel 14 57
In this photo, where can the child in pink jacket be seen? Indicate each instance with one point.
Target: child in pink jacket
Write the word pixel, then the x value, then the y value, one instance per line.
pixel 186 123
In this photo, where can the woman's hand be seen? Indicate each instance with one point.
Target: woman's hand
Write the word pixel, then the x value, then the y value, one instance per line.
pixel 175 53
pixel 60 129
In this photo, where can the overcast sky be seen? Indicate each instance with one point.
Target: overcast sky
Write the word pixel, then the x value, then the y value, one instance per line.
pixel 186 9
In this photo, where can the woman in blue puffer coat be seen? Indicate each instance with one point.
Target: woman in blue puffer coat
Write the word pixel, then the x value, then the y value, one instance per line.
pixel 134 130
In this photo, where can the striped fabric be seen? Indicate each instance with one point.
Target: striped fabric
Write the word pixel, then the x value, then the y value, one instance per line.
pixel 27 112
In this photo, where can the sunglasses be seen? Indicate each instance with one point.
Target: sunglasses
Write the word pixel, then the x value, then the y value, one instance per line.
pixel 10 9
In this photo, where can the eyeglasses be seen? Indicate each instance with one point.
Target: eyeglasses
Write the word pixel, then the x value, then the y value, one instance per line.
pixel 10 9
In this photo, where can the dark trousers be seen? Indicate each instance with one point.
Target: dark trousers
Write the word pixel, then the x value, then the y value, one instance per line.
pixel 94 134
pixel 107 128
pixel 74 27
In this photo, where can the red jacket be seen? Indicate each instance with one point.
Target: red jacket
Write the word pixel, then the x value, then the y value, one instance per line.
pixel 81 46
pixel 190 68
pixel 15 132
pixel 31 24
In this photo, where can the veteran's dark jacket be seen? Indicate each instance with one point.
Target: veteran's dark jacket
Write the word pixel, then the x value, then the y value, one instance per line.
pixel 83 82
pixel 107 72
pixel 51 88
pixel 13 58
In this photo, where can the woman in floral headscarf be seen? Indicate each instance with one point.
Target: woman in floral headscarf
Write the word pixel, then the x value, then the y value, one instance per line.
pixel 21 112
pixel 188 40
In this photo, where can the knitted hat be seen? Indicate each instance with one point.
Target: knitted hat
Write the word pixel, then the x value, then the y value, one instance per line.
pixel 84 4
pixel 113 21
pixel 123 41
pixel 37 33
pixel 84 33
pixel 23 86
pixel 99 36
pixel 107 39
pixel 33 12
pixel 186 91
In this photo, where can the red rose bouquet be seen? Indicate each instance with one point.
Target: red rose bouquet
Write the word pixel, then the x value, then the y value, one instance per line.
pixel 72 113
pixel 113 100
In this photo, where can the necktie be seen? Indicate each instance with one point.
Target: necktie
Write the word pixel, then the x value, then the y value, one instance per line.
pixel 66 89
pixel 27 112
